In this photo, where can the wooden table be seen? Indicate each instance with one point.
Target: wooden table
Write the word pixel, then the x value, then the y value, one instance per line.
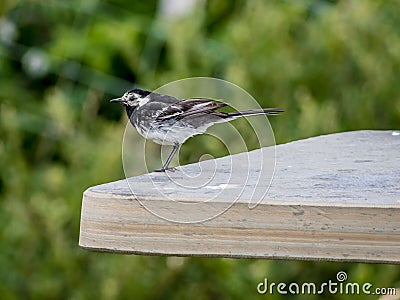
pixel 334 197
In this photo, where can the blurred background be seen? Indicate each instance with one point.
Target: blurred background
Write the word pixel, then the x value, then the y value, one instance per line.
pixel 333 65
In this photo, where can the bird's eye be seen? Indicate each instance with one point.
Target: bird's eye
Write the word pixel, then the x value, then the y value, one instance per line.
pixel 127 96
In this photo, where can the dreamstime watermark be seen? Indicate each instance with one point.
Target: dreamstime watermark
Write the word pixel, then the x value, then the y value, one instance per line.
pixel 333 287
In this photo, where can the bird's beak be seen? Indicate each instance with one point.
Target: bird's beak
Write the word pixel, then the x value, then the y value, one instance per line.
pixel 117 100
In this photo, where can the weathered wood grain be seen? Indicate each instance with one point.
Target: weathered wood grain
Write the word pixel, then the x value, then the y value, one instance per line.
pixel 333 197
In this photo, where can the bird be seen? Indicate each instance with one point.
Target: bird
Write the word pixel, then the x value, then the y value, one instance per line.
pixel 168 120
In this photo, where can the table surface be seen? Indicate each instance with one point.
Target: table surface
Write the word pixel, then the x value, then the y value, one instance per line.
pixel 359 168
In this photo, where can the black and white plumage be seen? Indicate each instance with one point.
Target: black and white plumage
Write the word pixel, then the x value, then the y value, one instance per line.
pixel 168 120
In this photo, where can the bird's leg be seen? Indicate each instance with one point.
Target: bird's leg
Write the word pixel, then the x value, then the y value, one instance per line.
pixel 167 162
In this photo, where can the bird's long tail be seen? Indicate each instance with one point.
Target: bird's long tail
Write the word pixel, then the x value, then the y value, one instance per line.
pixel 254 112
pixel 203 121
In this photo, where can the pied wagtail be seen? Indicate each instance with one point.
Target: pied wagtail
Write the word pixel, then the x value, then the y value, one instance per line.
pixel 170 121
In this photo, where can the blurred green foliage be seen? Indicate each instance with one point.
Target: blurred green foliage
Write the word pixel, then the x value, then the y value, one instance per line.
pixel 333 65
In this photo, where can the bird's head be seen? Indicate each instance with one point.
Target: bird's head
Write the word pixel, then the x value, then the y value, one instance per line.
pixel 132 98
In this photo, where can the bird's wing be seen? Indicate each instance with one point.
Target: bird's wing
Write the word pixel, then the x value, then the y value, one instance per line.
pixel 190 107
